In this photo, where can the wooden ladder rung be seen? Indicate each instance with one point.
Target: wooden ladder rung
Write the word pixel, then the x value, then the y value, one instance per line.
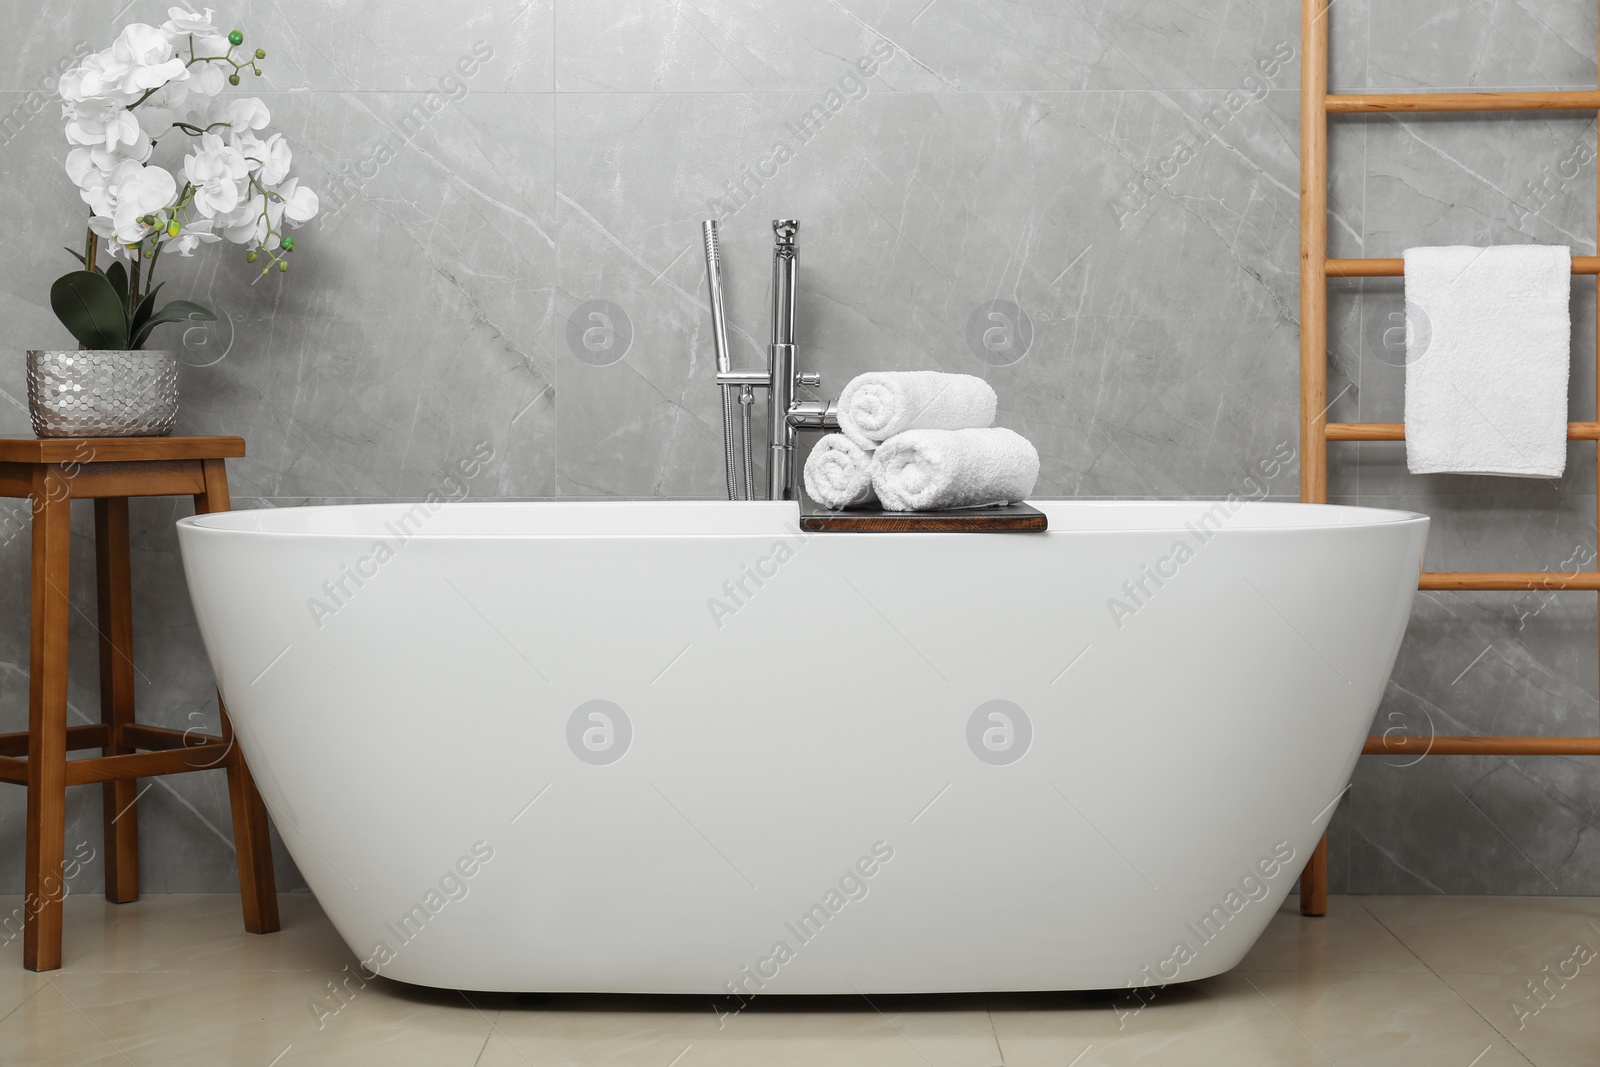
pixel 1366 103
pixel 1396 431
pixel 1509 581
pixel 1396 268
pixel 1411 745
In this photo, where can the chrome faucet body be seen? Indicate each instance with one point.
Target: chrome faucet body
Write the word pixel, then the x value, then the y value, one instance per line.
pixel 780 361
pixel 785 415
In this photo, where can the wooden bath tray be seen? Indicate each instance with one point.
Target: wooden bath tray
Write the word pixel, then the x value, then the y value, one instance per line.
pixel 1010 518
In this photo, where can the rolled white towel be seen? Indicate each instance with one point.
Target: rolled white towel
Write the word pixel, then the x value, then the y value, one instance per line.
pixel 875 407
pixel 839 473
pixel 935 470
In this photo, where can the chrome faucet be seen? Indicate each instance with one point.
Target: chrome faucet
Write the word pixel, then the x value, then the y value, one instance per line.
pixel 785 415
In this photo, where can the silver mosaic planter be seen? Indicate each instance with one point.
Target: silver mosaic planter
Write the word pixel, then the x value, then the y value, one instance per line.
pixel 102 393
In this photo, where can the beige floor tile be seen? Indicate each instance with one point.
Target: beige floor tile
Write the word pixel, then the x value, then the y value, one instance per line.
pixel 1489 935
pixel 1348 938
pixel 688 1032
pixel 45 1031
pixel 16 986
pixel 1384 1020
pixel 1561 1030
pixel 206 933
pixel 1216 1022
pixel 205 1019
pixel 87 919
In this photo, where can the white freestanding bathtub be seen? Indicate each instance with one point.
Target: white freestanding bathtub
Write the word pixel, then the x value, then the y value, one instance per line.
pixel 681 747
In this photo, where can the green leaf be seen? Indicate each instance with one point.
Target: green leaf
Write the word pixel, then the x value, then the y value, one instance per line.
pixel 77 256
pixel 117 275
pixel 142 313
pixel 87 305
pixel 177 311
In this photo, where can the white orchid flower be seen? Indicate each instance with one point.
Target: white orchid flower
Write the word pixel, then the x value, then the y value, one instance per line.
pixel 191 237
pixel 90 170
pixel 131 192
pixel 215 170
pixel 244 116
pixel 275 158
pixel 81 166
pixel 105 122
pixel 93 77
pixel 90 179
pixel 157 113
pixel 141 59
pixel 251 147
pixel 182 24
pixel 107 162
pixel 247 224
pixel 299 205
pixel 207 79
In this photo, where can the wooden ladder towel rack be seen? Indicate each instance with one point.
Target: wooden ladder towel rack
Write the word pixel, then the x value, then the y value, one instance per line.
pixel 1316 104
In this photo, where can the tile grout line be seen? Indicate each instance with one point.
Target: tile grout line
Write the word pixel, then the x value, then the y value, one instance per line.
pixel 1289 1021
pixel 1486 1020
pixel 488 1037
pixel 56 985
pixel 556 228
pixel 303 91
pixel 23 1002
pixel 1398 939
pixel 999 1049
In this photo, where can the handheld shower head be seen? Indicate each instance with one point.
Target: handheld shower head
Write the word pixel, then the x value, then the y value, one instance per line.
pixel 719 328
pixel 719 341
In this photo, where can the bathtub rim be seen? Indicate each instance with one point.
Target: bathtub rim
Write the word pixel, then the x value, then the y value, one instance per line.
pixel 785 514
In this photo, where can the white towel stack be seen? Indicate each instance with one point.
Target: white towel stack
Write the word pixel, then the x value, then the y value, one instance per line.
pixel 920 441
pixel 1489 348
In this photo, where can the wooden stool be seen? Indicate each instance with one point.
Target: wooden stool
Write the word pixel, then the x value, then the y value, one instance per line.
pixel 109 470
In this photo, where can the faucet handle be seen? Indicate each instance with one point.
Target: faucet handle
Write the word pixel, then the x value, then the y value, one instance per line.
pixel 812 378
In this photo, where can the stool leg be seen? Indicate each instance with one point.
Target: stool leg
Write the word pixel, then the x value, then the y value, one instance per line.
pixel 47 722
pixel 1314 881
pixel 257 885
pixel 114 589
pixel 258 891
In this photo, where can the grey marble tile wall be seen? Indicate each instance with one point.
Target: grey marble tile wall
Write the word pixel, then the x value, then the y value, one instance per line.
pixel 1124 172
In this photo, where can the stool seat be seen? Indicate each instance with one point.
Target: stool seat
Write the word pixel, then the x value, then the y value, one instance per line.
pixel 51 473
